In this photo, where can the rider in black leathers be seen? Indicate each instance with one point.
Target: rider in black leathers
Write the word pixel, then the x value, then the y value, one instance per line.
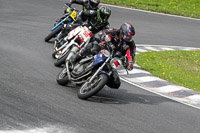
pixel 95 20
pixel 119 40
pixel 98 20
pixel 87 4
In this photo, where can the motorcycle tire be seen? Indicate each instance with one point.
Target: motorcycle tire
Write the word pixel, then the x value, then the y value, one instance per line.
pixel 54 55
pixel 62 78
pixel 85 95
pixel 61 60
pixel 53 33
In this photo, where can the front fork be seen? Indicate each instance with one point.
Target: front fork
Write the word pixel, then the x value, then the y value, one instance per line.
pixel 98 70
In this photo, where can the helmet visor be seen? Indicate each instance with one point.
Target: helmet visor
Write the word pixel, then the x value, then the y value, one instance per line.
pixel 128 37
pixel 103 17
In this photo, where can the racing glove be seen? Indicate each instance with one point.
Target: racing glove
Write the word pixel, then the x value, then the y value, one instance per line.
pixel 128 65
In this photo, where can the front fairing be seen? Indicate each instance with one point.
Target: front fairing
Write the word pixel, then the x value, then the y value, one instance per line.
pixel 101 57
pixel 98 59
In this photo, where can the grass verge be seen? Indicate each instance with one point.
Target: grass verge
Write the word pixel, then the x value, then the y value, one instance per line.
pixel 188 8
pixel 179 67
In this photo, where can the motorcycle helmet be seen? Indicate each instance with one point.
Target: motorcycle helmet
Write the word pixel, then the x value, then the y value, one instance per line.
pixel 103 14
pixel 93 3
pixel 127 32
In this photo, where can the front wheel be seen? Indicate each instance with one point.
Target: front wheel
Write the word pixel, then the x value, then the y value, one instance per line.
pixel 53 33
pixel 62 78
pixel 87 90
pixel 61 59
pixel 54 55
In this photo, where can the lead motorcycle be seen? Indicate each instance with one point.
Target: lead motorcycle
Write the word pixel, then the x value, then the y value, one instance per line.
pixel 92 72
pixel 72 43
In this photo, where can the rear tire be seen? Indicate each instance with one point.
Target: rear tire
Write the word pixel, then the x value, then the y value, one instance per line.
pixel 53 33
pixel 84 94
pixel 62 78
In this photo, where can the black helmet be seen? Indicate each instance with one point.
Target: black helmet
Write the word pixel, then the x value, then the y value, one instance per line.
pixel 127 32
pixel 103 14
pixel 93 3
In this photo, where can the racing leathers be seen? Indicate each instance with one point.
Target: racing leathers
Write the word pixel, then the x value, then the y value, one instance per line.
pixel 90 21
pixel 87 18
pixel 126 48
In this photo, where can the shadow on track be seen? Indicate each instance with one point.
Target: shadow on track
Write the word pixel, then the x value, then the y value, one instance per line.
pixel 122 96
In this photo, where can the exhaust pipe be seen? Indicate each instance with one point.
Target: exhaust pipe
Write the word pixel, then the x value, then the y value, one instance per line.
pixel 67 67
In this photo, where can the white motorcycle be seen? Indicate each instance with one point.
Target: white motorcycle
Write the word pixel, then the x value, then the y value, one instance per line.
pixel 76 40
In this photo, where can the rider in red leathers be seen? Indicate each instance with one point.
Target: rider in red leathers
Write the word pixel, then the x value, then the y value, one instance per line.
pixel 122 39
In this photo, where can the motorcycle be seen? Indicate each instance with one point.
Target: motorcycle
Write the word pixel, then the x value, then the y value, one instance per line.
pixel 69 17
pixel 92 72
pixel 72 43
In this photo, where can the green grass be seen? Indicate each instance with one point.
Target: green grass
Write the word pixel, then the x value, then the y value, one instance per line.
pixel 179 67
pixel 188 8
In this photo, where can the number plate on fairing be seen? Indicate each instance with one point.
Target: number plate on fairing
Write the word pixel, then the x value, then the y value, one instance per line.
pixel 86 34
pixel 73 15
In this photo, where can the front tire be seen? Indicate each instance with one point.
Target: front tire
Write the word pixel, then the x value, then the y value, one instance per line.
pixel 62 78
pixel 54 55
pixel 61 60
pixel 53 33
pixel 87 90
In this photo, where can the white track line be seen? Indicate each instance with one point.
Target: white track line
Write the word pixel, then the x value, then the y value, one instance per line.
pixel 151 48
pixel 167 46
pixel 168 88
pixel 141 50
pixel 135 71
pixel 194 98
pixel 145 79
pixel 167 49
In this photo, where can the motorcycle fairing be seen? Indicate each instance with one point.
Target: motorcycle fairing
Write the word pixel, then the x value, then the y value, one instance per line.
pixel 61 22
pixel 74 33
pixel 104 72
pixel 99 58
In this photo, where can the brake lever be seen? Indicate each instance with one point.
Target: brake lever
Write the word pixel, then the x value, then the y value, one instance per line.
pixel 127 72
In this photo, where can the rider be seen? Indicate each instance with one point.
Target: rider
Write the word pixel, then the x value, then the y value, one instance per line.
pixel 96 20
pixel 123 41
pixel 120 40
pixel 87 4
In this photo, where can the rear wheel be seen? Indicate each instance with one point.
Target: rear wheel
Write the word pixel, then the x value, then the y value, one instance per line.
pixel 89 89
pixel 62 78
pixel 53 33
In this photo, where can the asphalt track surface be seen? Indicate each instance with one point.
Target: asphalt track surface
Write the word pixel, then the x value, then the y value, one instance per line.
pixel 31 100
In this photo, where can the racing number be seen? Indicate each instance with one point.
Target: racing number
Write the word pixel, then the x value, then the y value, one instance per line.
pixel 87 34
pixel 73 15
